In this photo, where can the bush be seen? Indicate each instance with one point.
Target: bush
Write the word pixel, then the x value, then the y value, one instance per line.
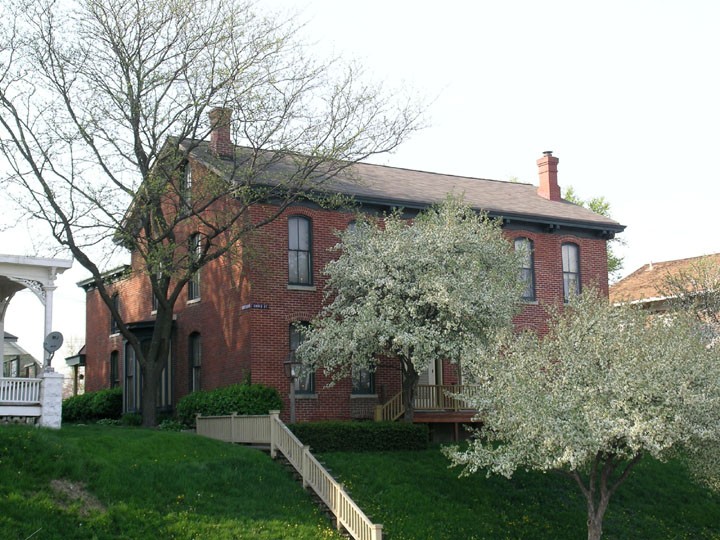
pixel 107 403
pixel 93 406
pixel 237 398
pixel 76 408
pixel 338 436
pixel 131 419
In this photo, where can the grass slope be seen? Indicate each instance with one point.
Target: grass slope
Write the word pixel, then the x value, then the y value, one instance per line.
pixel 416 496
pixel 109 482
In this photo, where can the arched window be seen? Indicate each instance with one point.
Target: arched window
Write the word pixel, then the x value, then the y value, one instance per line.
pixel 133 383
pixel 299 251
pixel 571 270
pixel 525 248
pixel 114 328
pixel 194 248
pixel 194 361
pixel 305 380
pixel 114 369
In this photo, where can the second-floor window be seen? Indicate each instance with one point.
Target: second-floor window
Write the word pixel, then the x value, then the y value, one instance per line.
pixel 114 328
pixel 193 285
pixel 524 248
pixel 299 251
pixel 571 270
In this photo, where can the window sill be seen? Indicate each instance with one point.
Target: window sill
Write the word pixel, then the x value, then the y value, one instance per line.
pixel 363 396
pixel 305 396
pixel 193 301
pixel 115 334
pixel 301 288
pixel 530 302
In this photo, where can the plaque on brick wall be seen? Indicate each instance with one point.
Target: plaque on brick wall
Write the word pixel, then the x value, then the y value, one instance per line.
pixel 245 307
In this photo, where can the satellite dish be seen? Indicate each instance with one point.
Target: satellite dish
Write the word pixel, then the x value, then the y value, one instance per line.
pixel 53 342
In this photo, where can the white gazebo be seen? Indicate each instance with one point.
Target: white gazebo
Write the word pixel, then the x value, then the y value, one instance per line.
pixel 31 397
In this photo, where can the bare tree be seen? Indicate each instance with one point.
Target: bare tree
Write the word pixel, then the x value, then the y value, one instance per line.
pixel 104 102
pixel 694 287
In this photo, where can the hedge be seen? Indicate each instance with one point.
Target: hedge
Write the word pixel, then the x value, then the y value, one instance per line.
pixel 92 406
pixel 339 436
pixel 236 398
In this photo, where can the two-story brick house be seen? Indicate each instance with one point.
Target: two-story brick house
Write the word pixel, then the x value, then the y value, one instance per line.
pixel 236 321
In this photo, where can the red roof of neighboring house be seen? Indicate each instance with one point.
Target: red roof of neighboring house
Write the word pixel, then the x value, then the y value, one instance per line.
pixel 648 282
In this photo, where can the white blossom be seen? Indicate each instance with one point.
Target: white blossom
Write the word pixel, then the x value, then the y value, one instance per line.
pixel 414 291
pixel 605 387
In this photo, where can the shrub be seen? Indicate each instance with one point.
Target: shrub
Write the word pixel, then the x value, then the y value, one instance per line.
pixel 77 408
pixel 236 398
pixel 338 436
pixel 131 419
pixel 93 406
pixel 107 403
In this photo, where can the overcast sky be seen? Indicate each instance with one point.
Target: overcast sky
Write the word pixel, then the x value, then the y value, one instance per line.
pixel 625 93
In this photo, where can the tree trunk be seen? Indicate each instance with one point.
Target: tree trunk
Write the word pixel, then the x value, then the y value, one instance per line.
pixel 409 384
pixel 150 380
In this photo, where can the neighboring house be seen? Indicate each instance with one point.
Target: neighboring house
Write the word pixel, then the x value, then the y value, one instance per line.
pixel 655 285
pixel 17 362
pixel 236 322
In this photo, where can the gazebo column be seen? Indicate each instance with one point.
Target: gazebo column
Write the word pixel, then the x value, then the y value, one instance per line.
pixel 48 297
pixel 3 308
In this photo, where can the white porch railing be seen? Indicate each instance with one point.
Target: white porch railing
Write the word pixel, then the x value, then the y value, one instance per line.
pixel 15 391
pixel 271 430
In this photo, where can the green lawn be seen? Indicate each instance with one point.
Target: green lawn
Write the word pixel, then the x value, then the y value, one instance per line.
pixel 111 482
pixel 416 496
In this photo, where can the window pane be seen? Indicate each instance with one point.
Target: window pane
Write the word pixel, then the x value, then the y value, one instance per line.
pixel 363 381
pixel 303 267
pixel 293 233
pixel 293 267
pixel 303 234
pixel 570 258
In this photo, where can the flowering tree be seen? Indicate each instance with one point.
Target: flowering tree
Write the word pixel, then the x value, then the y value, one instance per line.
pixel 606 387
pixel 415 292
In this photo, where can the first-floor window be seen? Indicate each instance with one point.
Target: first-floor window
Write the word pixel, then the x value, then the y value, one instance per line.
pixel 305 379
pixel 363 381
pixel 195 359
pixel 114 369
pixel 133 383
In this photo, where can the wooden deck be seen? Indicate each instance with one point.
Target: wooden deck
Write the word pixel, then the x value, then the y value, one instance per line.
pixel 443 417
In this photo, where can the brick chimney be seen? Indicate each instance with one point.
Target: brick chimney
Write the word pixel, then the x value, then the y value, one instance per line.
pixel 547 167
pixel 220 143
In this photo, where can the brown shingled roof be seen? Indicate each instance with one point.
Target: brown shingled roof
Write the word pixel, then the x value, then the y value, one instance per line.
pixel 647 282
pixel 379 184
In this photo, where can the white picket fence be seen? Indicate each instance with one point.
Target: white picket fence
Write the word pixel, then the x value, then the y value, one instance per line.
pixel 269 429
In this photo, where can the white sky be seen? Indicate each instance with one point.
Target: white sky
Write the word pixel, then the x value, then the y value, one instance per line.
pixel 626 94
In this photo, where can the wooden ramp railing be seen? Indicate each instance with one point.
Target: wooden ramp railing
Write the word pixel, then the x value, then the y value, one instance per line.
pixel 429 397
pixel 271 430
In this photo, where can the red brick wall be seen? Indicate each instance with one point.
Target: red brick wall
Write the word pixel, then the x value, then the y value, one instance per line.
pixel 253 342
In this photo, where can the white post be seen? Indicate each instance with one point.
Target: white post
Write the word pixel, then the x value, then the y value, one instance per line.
pixel 274 416
pixel 51 399
pixel 48 320
pixel 304 466
pixel 2 345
